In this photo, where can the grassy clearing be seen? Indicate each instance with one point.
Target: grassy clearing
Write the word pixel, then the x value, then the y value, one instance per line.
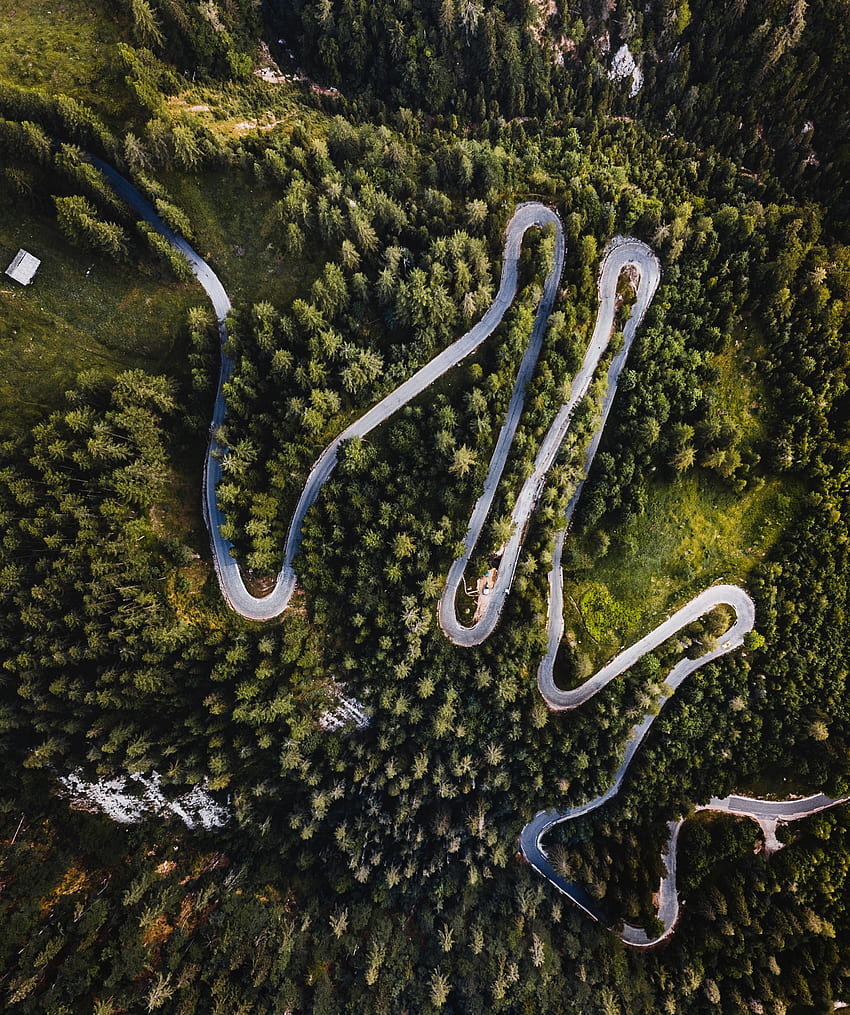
pixel 65 46
pixel 178 513
pixel 227 211
pixel 694 533
pixel 235 108
pixel 81 312
pixel 744 399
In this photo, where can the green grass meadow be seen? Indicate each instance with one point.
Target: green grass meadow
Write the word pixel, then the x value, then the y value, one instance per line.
pixel 695 532
pixel 68 47
pixel 81 312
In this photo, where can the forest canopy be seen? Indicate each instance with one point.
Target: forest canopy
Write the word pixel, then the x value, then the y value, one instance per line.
pixel 348 171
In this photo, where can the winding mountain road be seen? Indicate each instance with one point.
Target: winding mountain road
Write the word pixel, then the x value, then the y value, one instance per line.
pixel 667 897
pixel 526 216
pixel 621 255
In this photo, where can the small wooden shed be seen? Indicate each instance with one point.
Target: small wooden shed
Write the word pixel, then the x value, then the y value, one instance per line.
pixel 23 267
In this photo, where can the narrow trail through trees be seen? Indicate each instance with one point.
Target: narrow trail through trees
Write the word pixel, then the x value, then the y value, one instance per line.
pixel 621 254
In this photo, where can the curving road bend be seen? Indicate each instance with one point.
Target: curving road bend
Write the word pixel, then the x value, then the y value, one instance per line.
pixel 763 811
pixel 620 255
pixel 699 606
pixel 667 898
pixel 525 217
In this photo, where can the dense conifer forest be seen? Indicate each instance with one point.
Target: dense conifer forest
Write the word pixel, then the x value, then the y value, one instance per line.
pixel 348 170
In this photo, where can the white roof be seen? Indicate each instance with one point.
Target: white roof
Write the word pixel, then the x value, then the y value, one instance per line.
pixel 23 267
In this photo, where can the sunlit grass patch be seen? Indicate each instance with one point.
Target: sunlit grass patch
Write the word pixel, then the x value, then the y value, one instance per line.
pixel 235 108
pixel 602 614
pixel 695 532
pixel 80 312
pixel 65 46
pixel 744 398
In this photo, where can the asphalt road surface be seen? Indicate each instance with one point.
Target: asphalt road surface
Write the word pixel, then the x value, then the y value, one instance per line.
pixel 621 254
pixel 667 899
pixel 525 217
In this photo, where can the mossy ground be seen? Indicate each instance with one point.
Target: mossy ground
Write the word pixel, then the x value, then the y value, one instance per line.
pixel 696 531
pixel 66 47
pixel 744 397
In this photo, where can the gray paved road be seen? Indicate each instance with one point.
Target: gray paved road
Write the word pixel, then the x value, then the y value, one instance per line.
pixel 717 595
pixel 667 898
pixel 773 810
pixel 526 216
pixel 622 253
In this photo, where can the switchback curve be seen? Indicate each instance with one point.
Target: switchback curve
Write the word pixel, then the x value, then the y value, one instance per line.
pixel 668 902
pixel 526 216
pixel 621 254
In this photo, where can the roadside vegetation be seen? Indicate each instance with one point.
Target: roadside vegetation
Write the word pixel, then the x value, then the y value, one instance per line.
pixel 694 532
pixel 82 313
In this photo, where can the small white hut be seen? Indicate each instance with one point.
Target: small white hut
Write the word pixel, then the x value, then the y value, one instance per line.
pixel 23 267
